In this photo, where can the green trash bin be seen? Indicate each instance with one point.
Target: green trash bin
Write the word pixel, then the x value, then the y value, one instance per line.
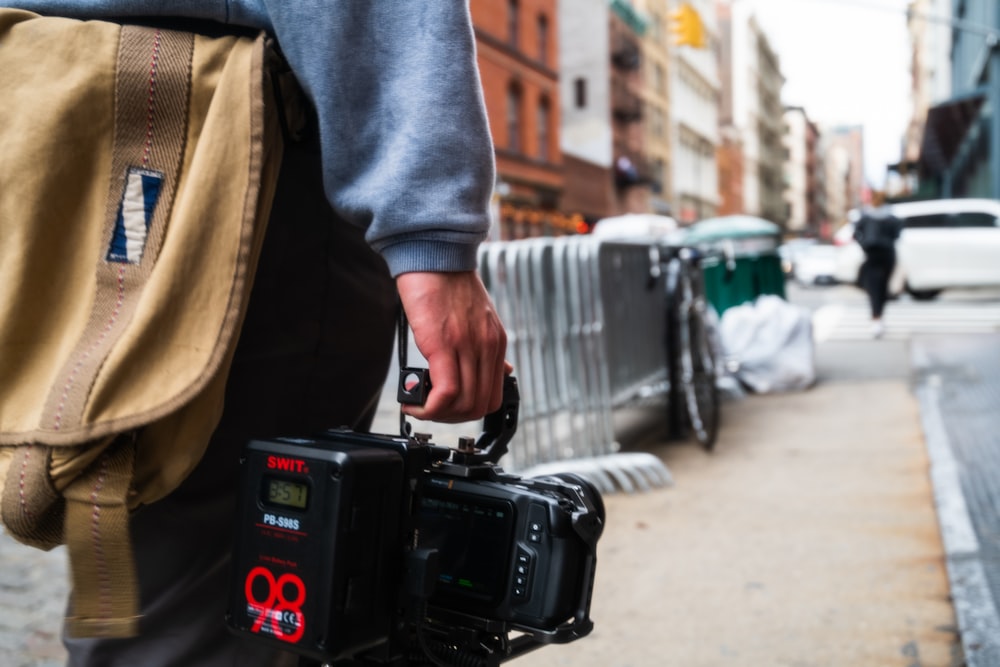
pixel 742 259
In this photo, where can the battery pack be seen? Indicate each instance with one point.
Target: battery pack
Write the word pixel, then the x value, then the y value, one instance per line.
pixel 319 528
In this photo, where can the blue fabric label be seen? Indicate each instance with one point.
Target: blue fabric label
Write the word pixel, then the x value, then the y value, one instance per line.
pixel 135 212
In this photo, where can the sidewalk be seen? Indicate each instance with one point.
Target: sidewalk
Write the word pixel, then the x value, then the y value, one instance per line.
pixel 808 538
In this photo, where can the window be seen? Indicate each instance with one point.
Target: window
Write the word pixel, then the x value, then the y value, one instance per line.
pixel 659 175
pixel 543 38
pixel 580 92
pixel 543 129
pixel 971 219
pixel 659 79
pixel 932 220
pixel 512 12
pixel 514 117
pixel 657 122
pixel 963 219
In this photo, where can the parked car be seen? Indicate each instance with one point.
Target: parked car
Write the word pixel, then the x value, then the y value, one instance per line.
pixel 946 243
pixel 815 265
pixel 789 251
pixel 849 253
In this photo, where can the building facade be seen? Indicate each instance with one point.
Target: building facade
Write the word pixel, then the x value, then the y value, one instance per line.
pixel 960 147
pixel 656 67
pixel 849 141
pixel 930 77
pixel 805 182
pixel 585 103
pixel 627 28
pixel 694 119
pixel 517 50
pixel 837 176
pixel 755 114
pixel 729 155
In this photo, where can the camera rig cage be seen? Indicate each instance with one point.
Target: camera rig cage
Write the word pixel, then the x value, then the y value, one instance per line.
pixel 356 548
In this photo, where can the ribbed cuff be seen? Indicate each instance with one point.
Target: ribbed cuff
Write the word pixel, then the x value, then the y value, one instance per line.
pixel 438 256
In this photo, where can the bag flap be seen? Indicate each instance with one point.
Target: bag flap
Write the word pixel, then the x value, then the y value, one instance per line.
pixel 125 262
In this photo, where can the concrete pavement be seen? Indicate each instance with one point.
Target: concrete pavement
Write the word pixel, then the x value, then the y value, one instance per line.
pixel 808 538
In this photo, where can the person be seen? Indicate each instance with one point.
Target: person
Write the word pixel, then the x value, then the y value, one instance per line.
pixel 876 232
pixel 383 203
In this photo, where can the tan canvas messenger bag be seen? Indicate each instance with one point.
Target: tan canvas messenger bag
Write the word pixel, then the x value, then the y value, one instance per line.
pixel 137 170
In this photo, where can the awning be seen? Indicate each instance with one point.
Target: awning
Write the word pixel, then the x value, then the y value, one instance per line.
pixel 946 127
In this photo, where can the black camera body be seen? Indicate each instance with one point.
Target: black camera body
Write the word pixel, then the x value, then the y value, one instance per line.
pixel 393 550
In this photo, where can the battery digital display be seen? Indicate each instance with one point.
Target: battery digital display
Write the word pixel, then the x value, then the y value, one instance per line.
pixel 278 491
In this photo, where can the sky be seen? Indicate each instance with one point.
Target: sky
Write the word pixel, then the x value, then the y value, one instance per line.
pixel 847 63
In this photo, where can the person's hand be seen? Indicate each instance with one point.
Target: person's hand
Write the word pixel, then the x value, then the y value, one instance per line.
pixel 457 329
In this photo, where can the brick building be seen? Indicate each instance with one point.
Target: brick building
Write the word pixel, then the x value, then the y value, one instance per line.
pixel 517 45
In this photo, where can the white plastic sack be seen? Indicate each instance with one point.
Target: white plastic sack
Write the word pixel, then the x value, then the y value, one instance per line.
pixel 772 342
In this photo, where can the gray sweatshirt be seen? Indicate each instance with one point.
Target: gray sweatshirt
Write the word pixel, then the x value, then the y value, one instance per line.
pixel 406 146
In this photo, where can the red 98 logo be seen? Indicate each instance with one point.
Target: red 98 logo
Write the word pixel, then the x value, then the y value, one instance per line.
pixel 277 603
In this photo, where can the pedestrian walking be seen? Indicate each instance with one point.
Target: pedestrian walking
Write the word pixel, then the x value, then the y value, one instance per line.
pixel 876 232
pixel 382 200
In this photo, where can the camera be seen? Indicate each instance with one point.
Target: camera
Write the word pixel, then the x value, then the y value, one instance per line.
pixel 391 550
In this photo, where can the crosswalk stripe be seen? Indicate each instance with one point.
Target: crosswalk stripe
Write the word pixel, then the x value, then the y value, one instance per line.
pixel 902 320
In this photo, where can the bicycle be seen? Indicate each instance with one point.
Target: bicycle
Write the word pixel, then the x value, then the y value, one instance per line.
pixel 692 341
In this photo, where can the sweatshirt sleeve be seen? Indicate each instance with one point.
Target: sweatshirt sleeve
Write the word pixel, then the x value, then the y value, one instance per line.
pixel 403 131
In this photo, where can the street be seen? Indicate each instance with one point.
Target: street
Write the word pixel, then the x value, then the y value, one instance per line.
pixel 812 535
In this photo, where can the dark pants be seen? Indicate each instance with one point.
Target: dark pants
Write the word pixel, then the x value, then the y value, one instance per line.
pixel 875 274
pixel 313 354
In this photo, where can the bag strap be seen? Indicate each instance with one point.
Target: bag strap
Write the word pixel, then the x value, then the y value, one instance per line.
pixel 151 101
pixel 105 600
pixel 152 86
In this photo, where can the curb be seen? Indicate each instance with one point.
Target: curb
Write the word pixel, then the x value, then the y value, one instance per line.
pixel 978 620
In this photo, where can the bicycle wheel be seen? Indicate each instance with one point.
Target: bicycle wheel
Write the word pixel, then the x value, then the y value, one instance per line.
pixel 697 367
pixel 677 427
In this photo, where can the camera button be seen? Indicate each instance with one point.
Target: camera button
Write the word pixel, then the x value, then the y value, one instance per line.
pixel 522 573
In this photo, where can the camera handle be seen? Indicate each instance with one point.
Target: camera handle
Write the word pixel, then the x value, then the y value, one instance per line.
pixel 498 427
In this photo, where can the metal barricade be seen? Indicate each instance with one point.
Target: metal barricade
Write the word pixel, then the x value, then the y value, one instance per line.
pixel 586 334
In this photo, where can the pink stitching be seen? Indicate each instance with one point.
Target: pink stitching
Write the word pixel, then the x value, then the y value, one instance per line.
pixel 104 581
pixel 152 93
pixel 24 471
pixel 71 380
pixel 57 422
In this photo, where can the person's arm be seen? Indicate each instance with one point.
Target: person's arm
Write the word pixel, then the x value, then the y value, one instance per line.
pixel 407 154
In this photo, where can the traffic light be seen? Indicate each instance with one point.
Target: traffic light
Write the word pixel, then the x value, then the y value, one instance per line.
pixel 687 27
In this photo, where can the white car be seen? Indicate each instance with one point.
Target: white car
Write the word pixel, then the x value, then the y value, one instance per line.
pixel 816 265
pixel 946 243
pixel 790 250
